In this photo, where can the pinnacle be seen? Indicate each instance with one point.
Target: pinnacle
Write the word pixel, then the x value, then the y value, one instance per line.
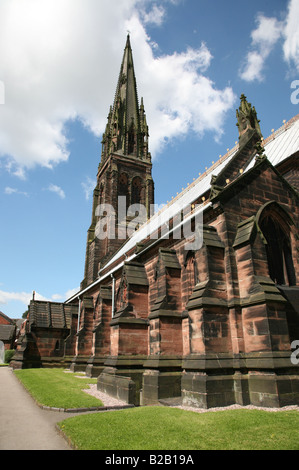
pixel 120 134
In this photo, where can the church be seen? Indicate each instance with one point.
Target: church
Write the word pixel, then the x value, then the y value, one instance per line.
pixel 198 302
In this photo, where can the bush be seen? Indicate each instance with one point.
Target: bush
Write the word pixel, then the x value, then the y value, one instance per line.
pixel 8 355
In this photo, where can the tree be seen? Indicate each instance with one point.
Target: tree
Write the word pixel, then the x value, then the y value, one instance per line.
pixel 25 314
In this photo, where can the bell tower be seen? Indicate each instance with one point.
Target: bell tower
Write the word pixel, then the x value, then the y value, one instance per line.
pixel 125 170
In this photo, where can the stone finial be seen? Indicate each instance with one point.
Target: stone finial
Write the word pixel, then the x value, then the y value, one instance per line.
pixel 260 152
pixel 247 117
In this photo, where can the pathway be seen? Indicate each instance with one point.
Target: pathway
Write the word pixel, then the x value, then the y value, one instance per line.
pixel 23 425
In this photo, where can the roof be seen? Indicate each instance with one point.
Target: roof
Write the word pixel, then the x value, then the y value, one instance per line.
pixel 279 146
pixel 6 318
pixel 135 274
pixel 50 314
pixel 7 332
pixel 283 143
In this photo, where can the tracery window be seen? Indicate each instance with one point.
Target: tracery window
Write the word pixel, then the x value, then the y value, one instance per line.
pixel 101 195
pixel 136 191
pixel 190 272
pixel 123 187
pixel 278 249
pixel 122 294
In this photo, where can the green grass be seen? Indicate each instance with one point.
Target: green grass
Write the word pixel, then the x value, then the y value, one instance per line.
pixel 159 428
pixel 56 388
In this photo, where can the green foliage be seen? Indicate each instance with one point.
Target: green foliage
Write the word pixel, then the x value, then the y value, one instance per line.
pixel 159 428
pixel 58 389
pixel 8 355
pixel 25 314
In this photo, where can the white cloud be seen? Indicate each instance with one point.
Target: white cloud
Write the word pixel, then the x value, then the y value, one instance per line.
pixel 57 190
pixel 263 40
pixel 67 295
pixel 266 36
pixel 56 297
pixel 88 186
pixel 254 67
pixel 71 292
pixel 267 33
pixel 291 34
pixel 23 297
pixel 8 190
pixel 2 93
pixel 59 62
pixel 154 16
pixel 12 168
pixel 178 96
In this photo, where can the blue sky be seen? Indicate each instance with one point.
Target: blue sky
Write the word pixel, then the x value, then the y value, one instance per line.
pixel 59 65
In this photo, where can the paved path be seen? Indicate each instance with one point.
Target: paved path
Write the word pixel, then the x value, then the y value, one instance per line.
pixel 23 425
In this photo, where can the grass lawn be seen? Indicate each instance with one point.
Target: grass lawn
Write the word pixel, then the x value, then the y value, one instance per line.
pixel 159 428
pixel 56 388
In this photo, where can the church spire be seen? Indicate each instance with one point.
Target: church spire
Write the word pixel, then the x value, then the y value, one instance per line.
pixel 126 132
pixel 124 176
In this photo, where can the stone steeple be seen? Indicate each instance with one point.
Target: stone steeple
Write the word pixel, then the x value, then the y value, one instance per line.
pixel 126 131
pixel 125 171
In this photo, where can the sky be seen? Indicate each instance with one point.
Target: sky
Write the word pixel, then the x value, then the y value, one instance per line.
pixel 59 66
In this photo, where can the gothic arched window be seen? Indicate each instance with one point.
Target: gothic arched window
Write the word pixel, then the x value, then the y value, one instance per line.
pixel 101 195
pixel 123 187
pixel 122 294
pixel 278 249
pixel 136 190
pixel 190 272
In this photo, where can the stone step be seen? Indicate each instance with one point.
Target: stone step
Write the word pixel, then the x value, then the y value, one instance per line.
pixel 171 401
